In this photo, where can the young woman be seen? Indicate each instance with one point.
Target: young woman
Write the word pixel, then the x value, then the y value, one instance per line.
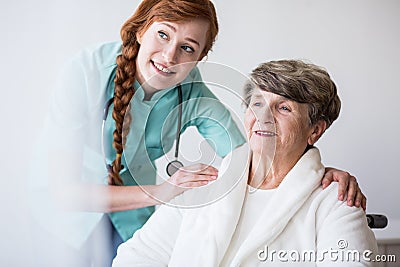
pixel 144 76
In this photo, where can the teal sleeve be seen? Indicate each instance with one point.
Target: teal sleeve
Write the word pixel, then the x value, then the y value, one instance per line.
pixel 213 120
pixel 215 123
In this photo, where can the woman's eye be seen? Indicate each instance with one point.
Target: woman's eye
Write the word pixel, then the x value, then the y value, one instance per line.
pixel 162 34
pixel 257 104
pixel 187 48
pixel 284 108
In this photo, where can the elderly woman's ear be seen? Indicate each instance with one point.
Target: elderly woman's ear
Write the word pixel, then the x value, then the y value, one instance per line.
pixel 317 130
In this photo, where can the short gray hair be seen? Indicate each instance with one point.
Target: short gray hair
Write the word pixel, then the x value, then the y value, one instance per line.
pixel 301 82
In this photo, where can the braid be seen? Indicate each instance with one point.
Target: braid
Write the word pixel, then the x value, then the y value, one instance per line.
pixel 147 12
pixel 123 93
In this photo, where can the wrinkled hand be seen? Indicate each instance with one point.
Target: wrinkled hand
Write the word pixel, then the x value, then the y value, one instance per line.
pixel 186 178
pixel 347 183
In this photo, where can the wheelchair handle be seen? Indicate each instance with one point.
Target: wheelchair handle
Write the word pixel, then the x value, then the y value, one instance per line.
pixel 377 220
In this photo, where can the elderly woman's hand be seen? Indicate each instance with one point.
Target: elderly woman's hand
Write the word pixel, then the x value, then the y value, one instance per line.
pixel 346 182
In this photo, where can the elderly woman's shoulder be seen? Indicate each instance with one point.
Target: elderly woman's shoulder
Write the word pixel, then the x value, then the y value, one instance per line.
pixel 326 202
pixel 326 196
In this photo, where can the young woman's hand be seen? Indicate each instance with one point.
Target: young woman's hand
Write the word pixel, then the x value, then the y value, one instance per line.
pixel 186 178
pixel 347 184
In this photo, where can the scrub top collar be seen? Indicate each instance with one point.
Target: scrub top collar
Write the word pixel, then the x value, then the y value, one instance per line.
pixel 139 92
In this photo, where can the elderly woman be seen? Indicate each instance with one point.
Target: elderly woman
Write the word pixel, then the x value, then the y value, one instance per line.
pixel 276 212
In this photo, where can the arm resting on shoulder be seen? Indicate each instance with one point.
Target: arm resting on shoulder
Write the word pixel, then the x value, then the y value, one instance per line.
pixel 347 185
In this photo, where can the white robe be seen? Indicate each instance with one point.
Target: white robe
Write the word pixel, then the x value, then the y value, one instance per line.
pixel 300 220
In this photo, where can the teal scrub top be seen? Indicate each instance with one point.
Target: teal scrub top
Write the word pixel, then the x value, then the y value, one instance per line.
pixel 74 124
pixel 153 132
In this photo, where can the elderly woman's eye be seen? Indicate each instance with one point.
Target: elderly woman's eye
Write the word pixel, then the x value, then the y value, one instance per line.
pixel 256 104
pixel 284 108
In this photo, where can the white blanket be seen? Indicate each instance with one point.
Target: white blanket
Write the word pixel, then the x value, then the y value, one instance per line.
pixel 301 224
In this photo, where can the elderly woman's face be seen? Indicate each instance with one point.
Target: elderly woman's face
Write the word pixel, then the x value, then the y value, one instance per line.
pixel 272 120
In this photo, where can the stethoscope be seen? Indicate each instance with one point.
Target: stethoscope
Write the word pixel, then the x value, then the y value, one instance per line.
pixel 173 165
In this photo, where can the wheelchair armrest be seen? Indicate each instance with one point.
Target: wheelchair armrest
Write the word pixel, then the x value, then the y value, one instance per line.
pixel 377 220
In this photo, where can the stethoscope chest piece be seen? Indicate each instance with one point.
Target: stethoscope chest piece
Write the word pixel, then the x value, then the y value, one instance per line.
pixel 173 167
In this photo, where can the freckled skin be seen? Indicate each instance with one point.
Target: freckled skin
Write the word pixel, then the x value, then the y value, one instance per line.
pixel 168 44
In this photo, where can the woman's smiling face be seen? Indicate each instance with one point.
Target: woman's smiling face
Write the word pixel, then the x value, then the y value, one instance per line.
pixel 165 47
pixel 273 121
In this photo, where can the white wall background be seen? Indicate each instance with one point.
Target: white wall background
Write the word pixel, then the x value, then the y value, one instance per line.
pixel 357 41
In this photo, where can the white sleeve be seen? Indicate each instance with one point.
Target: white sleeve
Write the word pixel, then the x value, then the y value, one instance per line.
pixel 152 245
pixel 68 113
pixel 344 235
pixel 73 128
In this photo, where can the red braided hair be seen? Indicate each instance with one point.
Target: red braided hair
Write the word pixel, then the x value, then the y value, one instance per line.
pixel 147 12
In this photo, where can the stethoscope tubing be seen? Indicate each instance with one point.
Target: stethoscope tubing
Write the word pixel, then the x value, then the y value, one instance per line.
pixel 172 166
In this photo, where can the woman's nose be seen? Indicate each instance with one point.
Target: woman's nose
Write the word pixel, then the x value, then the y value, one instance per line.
pixel 170 54
pixel 265 115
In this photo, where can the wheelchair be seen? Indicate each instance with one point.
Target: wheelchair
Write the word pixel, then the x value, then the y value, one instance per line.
pixel 377 220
